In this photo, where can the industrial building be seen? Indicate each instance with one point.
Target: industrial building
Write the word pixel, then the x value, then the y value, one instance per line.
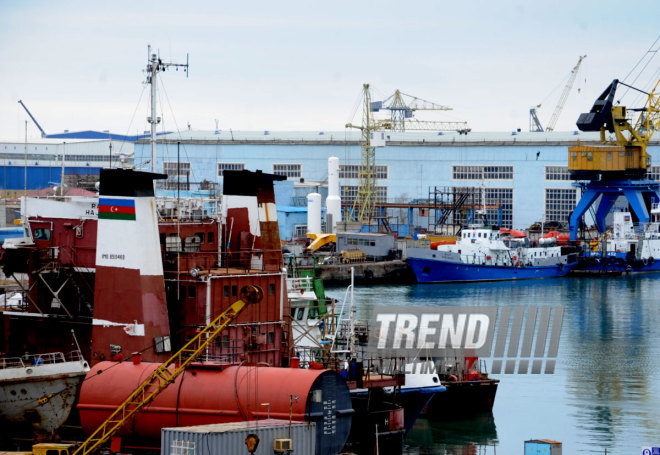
pixel 523 175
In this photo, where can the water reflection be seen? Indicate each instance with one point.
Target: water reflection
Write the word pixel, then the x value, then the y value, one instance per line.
pixel 453 437
pixel 605 393
pixel 611 360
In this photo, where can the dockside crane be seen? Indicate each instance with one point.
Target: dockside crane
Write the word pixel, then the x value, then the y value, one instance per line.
pixel 402 109
pixel 43 133
pixel 365 199
pixel 167 373
pixel 534 123
pixel 616 167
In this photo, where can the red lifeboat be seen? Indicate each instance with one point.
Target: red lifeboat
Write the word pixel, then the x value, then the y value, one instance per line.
pixel 515 233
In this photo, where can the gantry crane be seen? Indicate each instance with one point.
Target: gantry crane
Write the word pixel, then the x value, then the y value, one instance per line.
pixel 619 165
pixel 167 373
pixel 402 108
pixel 534 123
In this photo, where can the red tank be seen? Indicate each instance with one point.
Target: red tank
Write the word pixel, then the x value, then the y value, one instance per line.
pixel 205 395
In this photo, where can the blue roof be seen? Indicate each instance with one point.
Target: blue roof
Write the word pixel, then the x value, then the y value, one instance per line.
pixel 89 134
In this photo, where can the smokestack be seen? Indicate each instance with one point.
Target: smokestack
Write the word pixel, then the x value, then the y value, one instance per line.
pixel 252 235
pixel 130 307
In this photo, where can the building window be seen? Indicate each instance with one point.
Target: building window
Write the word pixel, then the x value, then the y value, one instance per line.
pixel 499 201
pixel 183 448
pixel 653 173
pixel 557 173
pixel 349 193
pixel 290 170
pixel 498 172
pixel 467 173
pixel 178 175
pixel 352 171
pixel 222 167
pixel 300 231
pixel 559 203
pixel 482 172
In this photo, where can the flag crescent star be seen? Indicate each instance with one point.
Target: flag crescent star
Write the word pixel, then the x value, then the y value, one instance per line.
pixel 114 209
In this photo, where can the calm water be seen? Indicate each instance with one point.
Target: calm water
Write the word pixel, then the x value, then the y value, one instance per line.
pixel 605 393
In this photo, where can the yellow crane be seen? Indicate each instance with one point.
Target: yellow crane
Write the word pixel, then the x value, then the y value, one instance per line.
pixel 365 199
pixel 402 108
pixel 166 373
pixel 623 154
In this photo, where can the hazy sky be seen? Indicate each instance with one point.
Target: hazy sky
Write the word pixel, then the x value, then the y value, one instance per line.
pixel 300 65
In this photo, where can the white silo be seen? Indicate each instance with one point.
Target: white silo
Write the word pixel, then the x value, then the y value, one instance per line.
pixel 314 213
pixel 333 201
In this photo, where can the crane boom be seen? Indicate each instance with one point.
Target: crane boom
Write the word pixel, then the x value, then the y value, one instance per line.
pixel 167 373
pixel 402 107
pixel 564 95
pixel 429 125
pixel 43 133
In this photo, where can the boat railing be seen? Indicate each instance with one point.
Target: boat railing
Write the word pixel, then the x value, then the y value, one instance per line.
pixel 40 359
pixel 300 284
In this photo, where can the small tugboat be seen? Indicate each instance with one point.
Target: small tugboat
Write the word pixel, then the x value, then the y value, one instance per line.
pixel 40 389
pixel 484 253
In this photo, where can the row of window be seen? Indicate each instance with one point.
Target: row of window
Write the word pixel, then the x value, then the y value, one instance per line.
pixel 360 242
pixel 289 170
pixel 482 172
pixel 352 171
pixel 349 193
pixel 559 204
pixel 67 157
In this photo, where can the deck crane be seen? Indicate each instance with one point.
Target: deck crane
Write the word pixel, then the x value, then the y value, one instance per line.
pixel 43 133
pixel 618 166
pixel 166 373
pixel 402 108
pixel 534 123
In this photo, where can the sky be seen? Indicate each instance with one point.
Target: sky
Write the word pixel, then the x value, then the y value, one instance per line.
pixel 300 65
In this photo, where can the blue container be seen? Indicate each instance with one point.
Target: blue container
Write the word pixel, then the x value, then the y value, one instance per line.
pixel 542 447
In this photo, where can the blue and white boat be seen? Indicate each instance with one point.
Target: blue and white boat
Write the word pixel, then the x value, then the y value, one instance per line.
pixel 482 253
pixel 626 247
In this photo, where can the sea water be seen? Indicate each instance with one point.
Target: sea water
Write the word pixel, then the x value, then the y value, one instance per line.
pixel 605 391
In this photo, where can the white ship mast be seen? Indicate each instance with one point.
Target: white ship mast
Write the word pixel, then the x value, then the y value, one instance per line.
pixel 154 65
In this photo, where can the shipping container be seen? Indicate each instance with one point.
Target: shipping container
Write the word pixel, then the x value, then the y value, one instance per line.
pixel 232 438
pixel 542 447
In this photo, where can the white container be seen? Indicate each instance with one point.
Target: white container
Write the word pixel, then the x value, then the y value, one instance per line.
pixel 314 213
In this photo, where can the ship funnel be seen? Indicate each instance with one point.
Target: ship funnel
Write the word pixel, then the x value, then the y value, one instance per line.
pixel 251 237
pixel 130 307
